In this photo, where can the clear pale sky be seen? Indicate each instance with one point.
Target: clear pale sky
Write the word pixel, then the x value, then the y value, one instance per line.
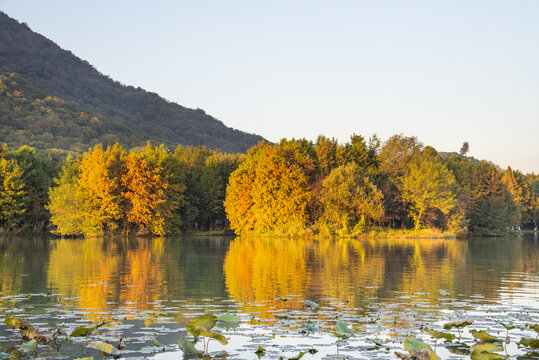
pixel 444 71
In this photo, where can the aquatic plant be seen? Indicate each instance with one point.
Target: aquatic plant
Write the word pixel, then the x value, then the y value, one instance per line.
pixel 439 335
pixel 201 326
pixel 342 331
pixel 418 349
pixel 458 325
pixel 105 349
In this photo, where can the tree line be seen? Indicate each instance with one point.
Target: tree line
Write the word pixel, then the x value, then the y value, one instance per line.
pixel 110 191
pixel 290 188
pixel 332 189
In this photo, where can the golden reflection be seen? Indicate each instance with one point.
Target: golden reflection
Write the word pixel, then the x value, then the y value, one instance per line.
pixel 101 275
pixel 265 269
pixel 120 276
pixel 352 271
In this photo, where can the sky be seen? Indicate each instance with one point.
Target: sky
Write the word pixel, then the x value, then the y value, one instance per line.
pixel 443 71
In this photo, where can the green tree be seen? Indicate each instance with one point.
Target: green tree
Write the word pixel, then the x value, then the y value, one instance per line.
pixel 491 209
pixel 396 153
pixel 38 172
pixel 428 186
pixel 349 197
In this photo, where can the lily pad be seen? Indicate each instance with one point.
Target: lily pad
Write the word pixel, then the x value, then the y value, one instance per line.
pixel 105 349
pixel 533 343
pixel 458 324
pixel 342 330
pixel 426 355
pixel 312 327
pixel 298 356
pixel 414 345
pixel 15 323
pixel 85 330
pixel 486 347
pixel 402 356
pixel 12 322
pixel 483 336
pixel 188 348
pixel 29 347
pixel 533 326
pixel 459 349
pixel 201 323
pixel 311 304
pixel 212 335
pixel 444 292
pixel 228 321
pixel 260 350
pixel 440 335
pixel 421 355
pixel 485 355
pixel 508 326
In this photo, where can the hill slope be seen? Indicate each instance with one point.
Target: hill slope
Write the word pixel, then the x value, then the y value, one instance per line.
pixel 121 113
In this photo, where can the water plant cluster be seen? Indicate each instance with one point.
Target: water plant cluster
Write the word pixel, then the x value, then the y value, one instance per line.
pixel 459 337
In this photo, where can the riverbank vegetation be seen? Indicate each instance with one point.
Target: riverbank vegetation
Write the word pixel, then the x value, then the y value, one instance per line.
pixel 293 188
pixel 352 189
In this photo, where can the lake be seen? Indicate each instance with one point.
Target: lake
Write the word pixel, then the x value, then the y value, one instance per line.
pixel 384 289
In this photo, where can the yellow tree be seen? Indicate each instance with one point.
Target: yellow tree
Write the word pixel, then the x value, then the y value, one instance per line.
pixel 66 201
pixel 13 197
pixel 239 199
pixel 269 191
pixel 280 194
pixel 519 188
pixel 144 194
pixel 100 184
pixel 428 186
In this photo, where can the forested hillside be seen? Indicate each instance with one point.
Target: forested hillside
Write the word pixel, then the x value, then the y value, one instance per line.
pixel 49 98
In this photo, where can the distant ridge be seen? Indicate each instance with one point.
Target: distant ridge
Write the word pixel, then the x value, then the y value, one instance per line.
pixel 85 107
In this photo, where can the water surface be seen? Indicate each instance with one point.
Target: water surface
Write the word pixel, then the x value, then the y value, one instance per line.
pixel 386 289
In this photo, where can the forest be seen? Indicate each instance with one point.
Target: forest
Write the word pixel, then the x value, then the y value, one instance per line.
pixel 293 188
pixel 331 189
pixel 52 100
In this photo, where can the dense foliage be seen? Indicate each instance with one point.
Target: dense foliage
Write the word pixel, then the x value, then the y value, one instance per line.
pixel 50 99
pixel 294 187
pixel 147 191
pixel 301 187
pixel 25 177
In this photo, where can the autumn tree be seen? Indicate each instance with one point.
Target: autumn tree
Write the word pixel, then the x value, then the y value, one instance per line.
pixel 349 198
pixel 269 191
pixel 13 197
pixel 428 186
pixel 329 154
pixel 144 193
pixel 101 189
pixel 522 193
pixel 66 201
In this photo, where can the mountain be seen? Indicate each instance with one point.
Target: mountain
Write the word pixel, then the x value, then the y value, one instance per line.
pixel 49 98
